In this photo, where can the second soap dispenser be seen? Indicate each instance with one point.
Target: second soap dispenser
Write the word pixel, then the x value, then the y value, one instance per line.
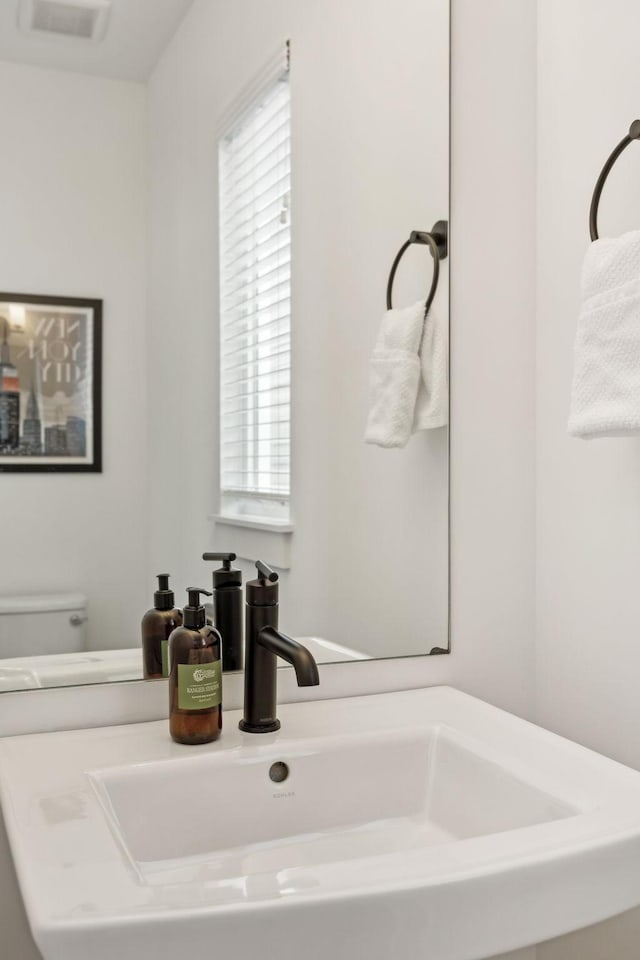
pixel 195 681
pixel 227 609
pixel 157 625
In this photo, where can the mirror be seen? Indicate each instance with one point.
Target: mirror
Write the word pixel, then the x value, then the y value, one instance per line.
pixel 124 179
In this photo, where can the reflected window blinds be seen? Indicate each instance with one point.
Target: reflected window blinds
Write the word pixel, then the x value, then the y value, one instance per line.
pixel 255 307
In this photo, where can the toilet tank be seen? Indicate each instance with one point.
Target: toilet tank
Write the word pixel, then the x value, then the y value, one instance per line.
pixel 42 624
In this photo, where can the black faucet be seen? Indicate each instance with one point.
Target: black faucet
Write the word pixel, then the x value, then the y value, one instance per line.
pixel 263 644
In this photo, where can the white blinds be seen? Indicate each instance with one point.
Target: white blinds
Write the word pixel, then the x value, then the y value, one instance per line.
pixel 255 307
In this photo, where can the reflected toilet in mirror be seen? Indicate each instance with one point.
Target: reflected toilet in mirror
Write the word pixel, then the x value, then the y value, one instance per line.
pixel 42 625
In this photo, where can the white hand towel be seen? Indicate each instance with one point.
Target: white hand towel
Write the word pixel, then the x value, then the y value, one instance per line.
pixel 605 395
pixel 432 405
pixel 408 377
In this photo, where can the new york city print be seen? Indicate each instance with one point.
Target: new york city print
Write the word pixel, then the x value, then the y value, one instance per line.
pixel 46 384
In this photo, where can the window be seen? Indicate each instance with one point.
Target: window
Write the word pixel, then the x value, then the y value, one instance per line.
pixel 255 308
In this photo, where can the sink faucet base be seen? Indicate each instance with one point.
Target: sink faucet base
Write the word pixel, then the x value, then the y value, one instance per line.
pixel 269 727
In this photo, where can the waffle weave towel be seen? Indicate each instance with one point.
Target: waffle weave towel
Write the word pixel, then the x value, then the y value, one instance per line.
pixel 605 395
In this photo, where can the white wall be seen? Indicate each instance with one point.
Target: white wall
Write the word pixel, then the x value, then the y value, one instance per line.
pixel 369 163
pixel 493 350
pixel 72 195
pixel 588 655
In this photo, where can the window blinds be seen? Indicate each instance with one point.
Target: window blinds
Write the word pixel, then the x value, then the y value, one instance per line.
pixel 255 307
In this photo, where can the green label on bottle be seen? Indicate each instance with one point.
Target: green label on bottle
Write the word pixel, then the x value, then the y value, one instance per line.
pixel 199 685
pixel 164 648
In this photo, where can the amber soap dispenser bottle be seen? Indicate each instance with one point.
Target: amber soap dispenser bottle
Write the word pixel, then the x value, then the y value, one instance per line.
pixel 195 680
pixel 157 625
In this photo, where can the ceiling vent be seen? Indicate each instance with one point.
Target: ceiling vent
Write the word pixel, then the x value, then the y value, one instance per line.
pixel 80 19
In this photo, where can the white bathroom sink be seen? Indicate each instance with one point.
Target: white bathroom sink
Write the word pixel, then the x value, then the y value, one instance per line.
pixel 423 823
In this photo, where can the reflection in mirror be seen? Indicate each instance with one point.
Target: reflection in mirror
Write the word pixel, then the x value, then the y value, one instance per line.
pixel 232 181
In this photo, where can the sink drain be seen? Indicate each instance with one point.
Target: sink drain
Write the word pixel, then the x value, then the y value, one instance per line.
pixel 278 771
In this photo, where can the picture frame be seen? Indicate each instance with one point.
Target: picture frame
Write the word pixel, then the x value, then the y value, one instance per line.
pixel 50 384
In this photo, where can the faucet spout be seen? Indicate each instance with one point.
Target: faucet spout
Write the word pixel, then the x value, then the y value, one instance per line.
pixel 264 644
pixel 293 652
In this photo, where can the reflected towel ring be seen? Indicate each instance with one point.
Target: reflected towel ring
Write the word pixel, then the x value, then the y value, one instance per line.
pixel 634 134
pixel 437 241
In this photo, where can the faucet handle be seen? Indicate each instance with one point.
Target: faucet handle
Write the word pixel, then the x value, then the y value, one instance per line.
pixel 263 591
pixel 225 557
pixel 265 572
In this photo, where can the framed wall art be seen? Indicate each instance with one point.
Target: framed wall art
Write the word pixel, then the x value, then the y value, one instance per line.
pixel 50 384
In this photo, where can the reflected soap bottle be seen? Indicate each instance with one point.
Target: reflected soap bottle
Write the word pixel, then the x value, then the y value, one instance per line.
pixel 157 625
pixel 195 679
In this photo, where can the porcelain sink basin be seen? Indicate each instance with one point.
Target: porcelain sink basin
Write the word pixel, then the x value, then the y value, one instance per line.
pixel 359 796
pixel 421 823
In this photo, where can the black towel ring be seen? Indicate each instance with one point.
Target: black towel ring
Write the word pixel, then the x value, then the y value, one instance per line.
pixel 634 134
pixel 437 241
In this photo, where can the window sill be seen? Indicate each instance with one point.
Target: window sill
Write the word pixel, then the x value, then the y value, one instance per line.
pixel 258 539
pixel 268 526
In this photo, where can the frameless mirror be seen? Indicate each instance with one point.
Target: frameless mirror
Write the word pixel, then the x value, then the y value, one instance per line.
pixel 203 201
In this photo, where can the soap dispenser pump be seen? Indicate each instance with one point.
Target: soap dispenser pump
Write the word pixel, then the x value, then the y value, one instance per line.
pixel 227 608
pixel 195 680
pixel 157 625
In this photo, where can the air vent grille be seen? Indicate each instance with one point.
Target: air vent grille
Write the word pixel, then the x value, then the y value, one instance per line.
pixel 64 18
pixel 77 19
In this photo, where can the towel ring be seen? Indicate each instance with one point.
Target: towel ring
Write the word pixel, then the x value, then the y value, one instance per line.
pixel 634 134
pixel 437 241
